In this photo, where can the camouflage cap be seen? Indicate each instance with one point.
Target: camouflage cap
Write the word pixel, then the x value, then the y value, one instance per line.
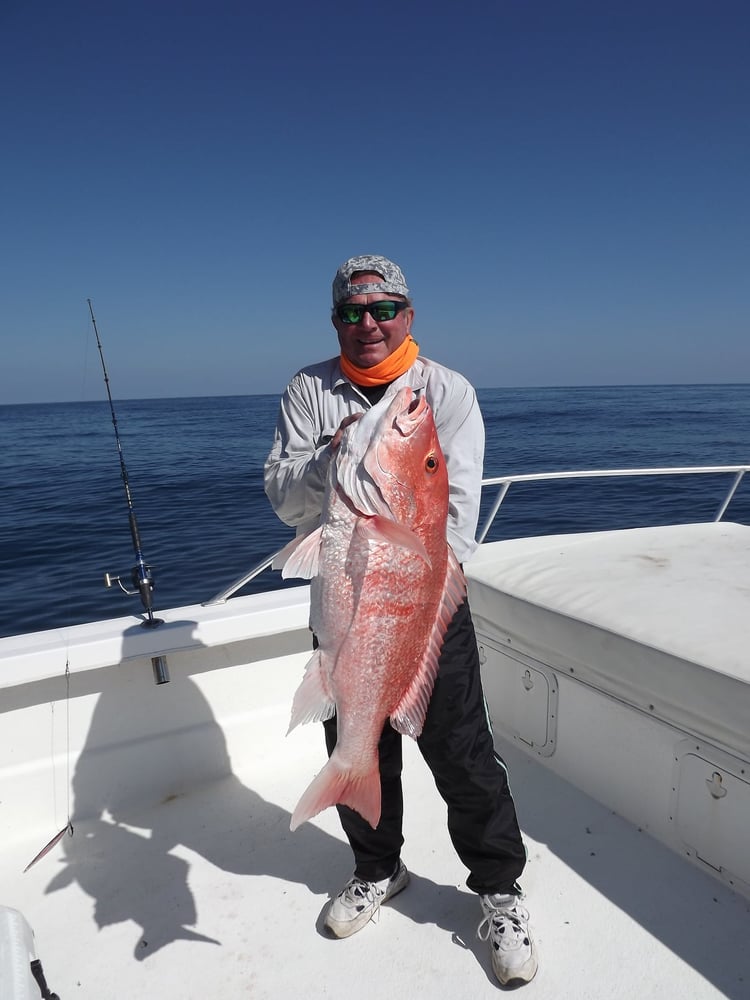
pixel 393 279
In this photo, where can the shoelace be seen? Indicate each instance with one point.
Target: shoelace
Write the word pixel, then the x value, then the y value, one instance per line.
pixel 359 890
pixel 516 917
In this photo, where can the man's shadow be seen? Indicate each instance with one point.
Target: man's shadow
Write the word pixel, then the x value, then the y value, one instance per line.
pixel 139 794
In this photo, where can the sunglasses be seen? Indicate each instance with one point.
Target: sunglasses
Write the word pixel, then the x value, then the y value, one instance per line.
pixel 381 312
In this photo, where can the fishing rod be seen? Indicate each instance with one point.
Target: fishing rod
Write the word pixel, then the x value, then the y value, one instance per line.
pixel 143 581
pixel 141 575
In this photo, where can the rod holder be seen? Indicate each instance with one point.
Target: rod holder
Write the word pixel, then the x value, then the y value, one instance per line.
pixel 161 670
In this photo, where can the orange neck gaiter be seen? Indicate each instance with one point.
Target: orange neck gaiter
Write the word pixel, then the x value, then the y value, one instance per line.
pixel 386 370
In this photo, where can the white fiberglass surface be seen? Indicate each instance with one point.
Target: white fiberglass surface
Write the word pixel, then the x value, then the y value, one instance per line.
pixel 207 893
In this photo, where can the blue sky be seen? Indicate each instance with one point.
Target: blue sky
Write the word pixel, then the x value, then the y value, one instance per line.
pixel 565 184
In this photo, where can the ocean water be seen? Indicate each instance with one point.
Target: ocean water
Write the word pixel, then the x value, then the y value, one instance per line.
pixel 195 473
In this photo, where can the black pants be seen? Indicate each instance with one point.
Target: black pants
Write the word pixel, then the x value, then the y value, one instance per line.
pixel 456 743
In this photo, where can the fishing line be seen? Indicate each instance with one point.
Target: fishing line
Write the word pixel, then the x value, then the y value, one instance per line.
pixel 68 828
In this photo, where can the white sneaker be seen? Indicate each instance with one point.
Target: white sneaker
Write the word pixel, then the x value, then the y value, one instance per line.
pixel 359 901
pixel 506 926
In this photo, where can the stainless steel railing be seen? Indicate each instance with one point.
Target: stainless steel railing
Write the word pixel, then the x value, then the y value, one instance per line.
pixel 505 483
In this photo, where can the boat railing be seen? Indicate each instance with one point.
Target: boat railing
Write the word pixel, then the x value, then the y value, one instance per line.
pixel 505 482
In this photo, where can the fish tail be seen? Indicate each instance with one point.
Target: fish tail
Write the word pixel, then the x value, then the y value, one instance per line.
pixel 337 785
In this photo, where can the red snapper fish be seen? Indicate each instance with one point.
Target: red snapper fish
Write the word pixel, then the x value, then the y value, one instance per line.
pixel 385 586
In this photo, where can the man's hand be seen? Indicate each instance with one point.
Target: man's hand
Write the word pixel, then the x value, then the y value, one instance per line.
pixel 336 439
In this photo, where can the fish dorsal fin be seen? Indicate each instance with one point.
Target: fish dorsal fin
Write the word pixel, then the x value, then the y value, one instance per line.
pixel 381 529
pixel 409 715
pixel 300 556
pixel 313 700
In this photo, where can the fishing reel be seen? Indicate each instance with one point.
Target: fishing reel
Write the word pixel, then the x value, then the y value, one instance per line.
pixel 138 578
pixel 142 579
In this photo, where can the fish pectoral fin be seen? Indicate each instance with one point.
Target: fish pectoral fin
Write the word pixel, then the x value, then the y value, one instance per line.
pixel 300 556
pixel 313 700
pixel 381 529
pixel 409 715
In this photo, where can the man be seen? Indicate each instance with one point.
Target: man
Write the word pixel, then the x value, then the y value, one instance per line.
pixel 373 317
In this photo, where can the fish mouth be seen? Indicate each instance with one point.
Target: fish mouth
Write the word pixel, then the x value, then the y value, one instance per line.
pixel 411 416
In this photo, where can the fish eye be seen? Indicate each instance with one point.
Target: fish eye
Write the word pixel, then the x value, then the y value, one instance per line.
pixel 431 464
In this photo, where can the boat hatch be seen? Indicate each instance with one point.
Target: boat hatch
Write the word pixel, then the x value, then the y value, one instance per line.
pixel 522 695
pixel 711 808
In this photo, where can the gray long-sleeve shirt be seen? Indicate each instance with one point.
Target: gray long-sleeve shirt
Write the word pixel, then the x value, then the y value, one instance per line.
pixel 316 401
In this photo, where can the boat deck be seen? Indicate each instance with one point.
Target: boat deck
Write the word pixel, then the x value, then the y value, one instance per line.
pixel 206 893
